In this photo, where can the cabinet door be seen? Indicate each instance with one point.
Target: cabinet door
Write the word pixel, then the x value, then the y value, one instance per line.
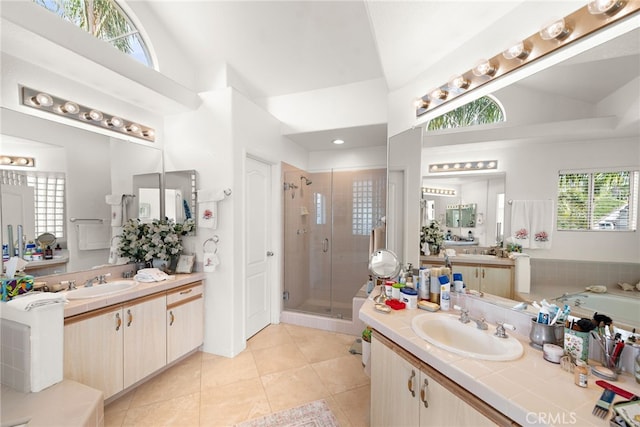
pixel 394 388
pixel 185 327
pixel 497 281
pixel 444 408
pixel 93 350
pixel 145 338
pixel 470 275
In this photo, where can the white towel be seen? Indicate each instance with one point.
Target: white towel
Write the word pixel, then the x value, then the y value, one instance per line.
pixel 542 218
pixel 210 262
pixel 116 201
pixel 377 240
pixel 208 208
pixel 93 236
pixel 520 223
pixel 36 299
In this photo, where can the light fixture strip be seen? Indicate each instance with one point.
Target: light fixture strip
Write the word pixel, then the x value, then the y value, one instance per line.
pixel 580 24
pixel 476 165
pixel 18 161
pixel 438 191
pixel 62 107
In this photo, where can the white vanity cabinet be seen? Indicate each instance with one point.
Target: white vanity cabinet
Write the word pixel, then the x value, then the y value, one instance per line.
pixel 113 348
pixel 407 391
pixel 185 320
pixel 490 279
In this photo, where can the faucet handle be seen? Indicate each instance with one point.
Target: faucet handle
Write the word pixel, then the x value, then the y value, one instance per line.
pixel 500 329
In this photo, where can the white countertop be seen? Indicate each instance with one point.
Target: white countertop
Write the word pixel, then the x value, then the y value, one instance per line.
pixel 529 390
pixel 75 307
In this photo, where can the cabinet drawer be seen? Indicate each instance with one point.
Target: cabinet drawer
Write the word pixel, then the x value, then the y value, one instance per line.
pixel 184 293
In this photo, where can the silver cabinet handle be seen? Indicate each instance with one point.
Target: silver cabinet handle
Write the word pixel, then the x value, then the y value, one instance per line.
pixel 410 383
pixel 269 253
pixel 423 393
pixel 325 245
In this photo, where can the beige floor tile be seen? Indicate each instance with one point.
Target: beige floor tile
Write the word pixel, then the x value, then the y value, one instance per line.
pixel 322 347
pixel 293 387
pixel 180 411
pixel 343 420
pixel 179 380
pixel 233 403
pixel 341 374
pixel 271 336
pixel 355 404
pixel 298 332
pixel 114 418
pixel 280 358
pixel 218 370
pixel 121 404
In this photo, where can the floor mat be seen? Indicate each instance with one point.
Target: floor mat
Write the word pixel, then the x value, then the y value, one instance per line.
pixel 314 414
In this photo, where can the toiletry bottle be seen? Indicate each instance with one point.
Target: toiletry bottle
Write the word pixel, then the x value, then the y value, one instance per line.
pixel 445 293
pixel 457 282
pixel 470 236
pixel 581 373
pixel 370 285
pixel 48 253
pixel 434 287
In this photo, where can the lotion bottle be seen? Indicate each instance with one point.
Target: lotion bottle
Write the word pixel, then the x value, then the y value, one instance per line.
pixel 445 293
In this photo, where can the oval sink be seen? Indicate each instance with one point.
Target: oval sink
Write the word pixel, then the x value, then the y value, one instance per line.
pixel 480 257
pixel 102 290
pixel 448 333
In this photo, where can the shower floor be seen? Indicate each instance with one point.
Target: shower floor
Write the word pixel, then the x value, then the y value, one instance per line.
pixel 324 308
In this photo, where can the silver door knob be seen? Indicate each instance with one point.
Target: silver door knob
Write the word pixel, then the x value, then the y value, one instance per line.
pixel 269 253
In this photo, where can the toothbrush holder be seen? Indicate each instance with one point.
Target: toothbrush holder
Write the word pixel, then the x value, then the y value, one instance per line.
pixel 541 334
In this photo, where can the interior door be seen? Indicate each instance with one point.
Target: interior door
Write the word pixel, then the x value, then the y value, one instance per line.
pixel 258 249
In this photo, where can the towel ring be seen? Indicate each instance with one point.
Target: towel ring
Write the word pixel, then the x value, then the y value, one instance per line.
pixel 214 240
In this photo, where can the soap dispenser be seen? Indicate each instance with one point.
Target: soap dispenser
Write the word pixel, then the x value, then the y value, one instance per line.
pixel 470 238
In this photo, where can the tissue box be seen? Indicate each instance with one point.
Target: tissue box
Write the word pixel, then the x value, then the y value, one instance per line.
pixel 17 286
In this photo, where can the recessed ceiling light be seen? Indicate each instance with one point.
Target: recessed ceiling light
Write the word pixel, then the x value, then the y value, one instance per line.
pixel 338 141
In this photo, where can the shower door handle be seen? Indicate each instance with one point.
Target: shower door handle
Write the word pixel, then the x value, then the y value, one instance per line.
pixel 325 245
pixel 269 253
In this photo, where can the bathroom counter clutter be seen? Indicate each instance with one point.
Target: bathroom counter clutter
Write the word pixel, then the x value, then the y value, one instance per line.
pixel 528 390
pixel 75 307
pixel 475 259
pixel 66 403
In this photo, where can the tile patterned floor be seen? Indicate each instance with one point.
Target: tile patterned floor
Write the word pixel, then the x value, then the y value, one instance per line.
pixel 283 366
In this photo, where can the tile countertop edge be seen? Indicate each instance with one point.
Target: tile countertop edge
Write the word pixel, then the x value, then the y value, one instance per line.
pixel 394 326
pixel 76 307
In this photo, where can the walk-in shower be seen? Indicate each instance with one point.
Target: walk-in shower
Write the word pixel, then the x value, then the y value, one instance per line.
pixel 327 230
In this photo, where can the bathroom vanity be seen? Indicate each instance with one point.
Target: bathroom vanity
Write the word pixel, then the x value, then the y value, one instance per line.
pixel 483 273
pixel 114 342
pixel 416 383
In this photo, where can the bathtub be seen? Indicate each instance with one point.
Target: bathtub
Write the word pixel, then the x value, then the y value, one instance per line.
pixel 623 309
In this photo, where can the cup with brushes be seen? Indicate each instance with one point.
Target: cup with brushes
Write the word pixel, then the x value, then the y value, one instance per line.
pixel 548 326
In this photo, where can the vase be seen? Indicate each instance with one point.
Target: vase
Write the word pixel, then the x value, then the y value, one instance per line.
pixel 434 249
pixel 160 264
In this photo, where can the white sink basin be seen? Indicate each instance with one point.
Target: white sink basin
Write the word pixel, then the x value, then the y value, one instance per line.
pixel 448 333
pixel 102 290
pixel 479 257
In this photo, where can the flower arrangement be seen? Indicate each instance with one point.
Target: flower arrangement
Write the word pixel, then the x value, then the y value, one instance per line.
pixel 522 234
pixel 432 234
pixel 542 236
pixel 161 239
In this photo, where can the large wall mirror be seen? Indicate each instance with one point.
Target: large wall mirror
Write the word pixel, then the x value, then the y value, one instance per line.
pixel 178 201
pixel 582 113
pixel 91 166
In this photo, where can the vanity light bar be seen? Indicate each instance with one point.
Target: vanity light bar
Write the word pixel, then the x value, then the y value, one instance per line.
pixel 463 166
pixel 438 191
pixel 71 110
pixel 22 161
pixel 596 15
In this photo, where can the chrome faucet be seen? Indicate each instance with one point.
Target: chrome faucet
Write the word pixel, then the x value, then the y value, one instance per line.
pixel 464 314
pixel 481 324
pixel 566 296
pixel 89 282
pixel 102 279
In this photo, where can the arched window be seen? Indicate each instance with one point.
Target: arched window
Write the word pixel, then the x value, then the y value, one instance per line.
pixel 482 111
pixel 105 20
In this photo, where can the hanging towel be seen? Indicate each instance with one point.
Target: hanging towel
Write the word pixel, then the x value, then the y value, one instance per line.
pixel 520 223
pixel 208 208
pixel 118 207
pixel 210 262
pixel 37 299
pixel 542 218
pixel 377 240
pixel 93 236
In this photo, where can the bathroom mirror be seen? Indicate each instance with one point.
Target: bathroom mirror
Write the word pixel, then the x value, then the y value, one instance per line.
pixel 554 117
pixel 384 264
pixel 461 215
pixel 180 188
pixel 93 166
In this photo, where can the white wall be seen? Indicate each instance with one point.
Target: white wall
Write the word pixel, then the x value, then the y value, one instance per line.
pixel 356 158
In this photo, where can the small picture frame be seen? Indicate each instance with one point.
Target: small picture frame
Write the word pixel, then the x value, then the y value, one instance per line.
pixel 185 264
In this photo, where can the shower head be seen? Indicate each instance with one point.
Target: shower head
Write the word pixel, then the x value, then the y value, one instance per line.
pixel 307 181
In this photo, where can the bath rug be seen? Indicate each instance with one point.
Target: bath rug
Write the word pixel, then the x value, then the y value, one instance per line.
pixel 314 414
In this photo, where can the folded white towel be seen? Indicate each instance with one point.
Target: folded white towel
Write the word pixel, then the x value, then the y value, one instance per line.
pixel 37 299
pixel 150 275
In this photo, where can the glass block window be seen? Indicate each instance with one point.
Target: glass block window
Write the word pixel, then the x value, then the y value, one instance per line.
pixel 321 208
pixel 105 20
pixel 598 200
pixel 368 205
pixel 49 203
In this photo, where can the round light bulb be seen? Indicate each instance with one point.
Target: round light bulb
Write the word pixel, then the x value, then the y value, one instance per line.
pixel 42 100
pixel 338 141
pixel 518 51
pixel 95 115
pixel 459 82
pixel 70 108
pixel 115 122
pixel 133 128
pixel 599 7
pixel 484 68
pixel 438 94
pixel 555 30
